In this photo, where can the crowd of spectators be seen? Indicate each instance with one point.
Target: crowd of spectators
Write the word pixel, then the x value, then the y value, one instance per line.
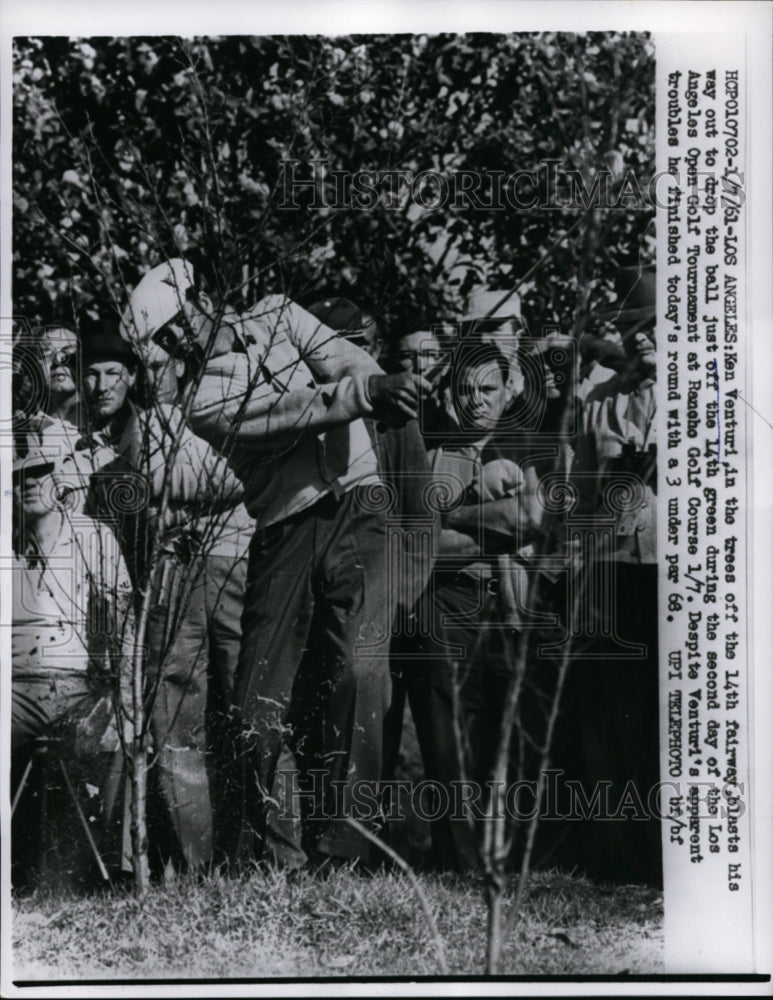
pixel 272 533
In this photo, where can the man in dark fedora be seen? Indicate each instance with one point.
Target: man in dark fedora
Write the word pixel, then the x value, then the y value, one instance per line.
pixel 160 483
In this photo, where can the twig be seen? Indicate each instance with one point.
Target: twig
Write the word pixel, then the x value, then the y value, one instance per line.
pixel 525 869
pixel 404 866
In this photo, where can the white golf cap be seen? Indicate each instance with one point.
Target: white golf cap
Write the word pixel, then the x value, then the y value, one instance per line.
pixel 158 298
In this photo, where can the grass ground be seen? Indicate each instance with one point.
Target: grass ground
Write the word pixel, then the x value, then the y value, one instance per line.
pixel 340 924
pixel 267 925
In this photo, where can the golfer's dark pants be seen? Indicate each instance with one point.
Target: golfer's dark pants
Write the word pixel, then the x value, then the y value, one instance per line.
pixel 194 636
pixel 455 673
pixel 313 684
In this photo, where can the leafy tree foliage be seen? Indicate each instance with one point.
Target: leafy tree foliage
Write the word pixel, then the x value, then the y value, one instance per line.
pixel 127 150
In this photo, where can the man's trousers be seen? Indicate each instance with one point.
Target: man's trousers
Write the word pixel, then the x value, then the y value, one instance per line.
pixel 455 672
pixel 62 719
pixel 194 635
pixel 608 735
pixel 313 683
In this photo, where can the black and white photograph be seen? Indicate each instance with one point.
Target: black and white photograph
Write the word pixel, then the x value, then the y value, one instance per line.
pixel 386 528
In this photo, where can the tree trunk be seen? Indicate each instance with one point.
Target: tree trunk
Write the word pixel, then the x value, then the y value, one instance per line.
pixel 138 764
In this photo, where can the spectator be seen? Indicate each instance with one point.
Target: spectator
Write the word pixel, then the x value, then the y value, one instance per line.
pixel 284 397
pixel 602 356
pixel 72 634
pixel 403 465
pixel 421 352
pixel 58 347
pixel 351 322
pixel 614 688
pixel 50 415
pixel 456 671
pixel 161 483
pixel 545 417
pixel 222 541
pixel 45 396
pixel 494 317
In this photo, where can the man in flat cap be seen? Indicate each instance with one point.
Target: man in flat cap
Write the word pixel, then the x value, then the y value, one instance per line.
pixel 284 397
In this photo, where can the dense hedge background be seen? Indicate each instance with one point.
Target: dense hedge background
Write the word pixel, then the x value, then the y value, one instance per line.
pixel 130 149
